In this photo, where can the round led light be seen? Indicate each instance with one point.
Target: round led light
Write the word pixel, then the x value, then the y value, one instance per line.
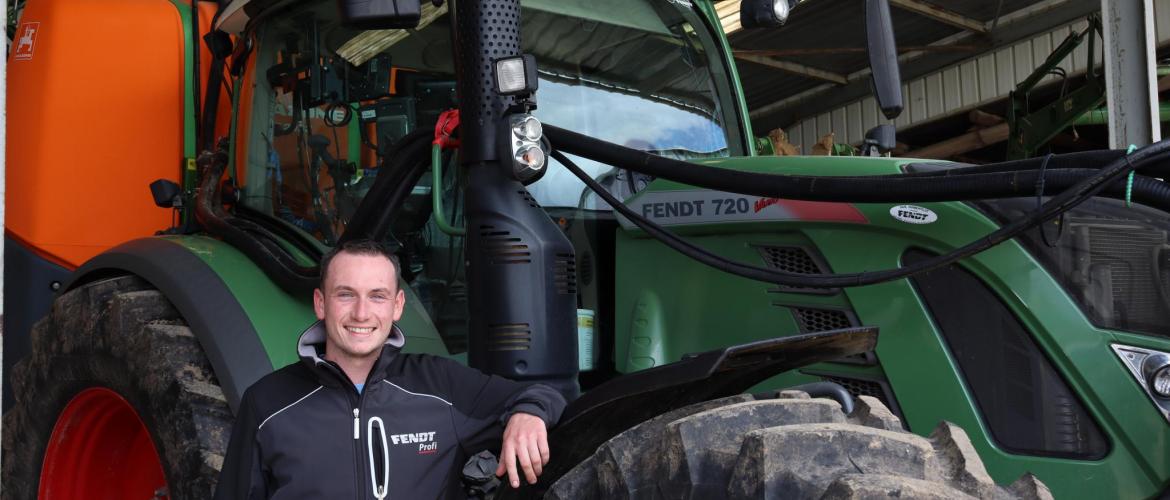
pixel 528 129
pixel 780 10
pixel 1160 382
pixel 531 157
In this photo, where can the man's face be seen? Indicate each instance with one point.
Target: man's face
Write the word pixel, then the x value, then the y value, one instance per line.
pixel 358 303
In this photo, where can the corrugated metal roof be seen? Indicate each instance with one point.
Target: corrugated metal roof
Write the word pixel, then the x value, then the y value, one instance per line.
pixel 958 88
pixel 961 87
pixel 839 24
pixel 818 24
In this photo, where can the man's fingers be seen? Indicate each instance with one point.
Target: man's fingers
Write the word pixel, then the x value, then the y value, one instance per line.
pixel 513 476
pixel 525 443
pixel 534 454
pixel 506 449
pixel 508 463
pixel 525 463
pixel 542 445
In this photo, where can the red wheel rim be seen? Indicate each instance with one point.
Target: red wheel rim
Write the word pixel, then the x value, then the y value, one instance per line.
pixel 101 449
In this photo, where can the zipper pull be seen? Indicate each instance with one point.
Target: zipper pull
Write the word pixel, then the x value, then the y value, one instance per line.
pixel 356 424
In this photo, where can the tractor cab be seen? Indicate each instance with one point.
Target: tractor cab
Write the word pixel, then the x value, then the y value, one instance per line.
pixel 324 103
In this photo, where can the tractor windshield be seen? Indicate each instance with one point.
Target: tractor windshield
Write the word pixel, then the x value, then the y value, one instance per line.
pixel 325 102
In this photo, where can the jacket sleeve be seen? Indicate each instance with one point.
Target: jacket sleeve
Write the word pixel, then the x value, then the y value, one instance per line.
pixel 241 477
pixel 484 403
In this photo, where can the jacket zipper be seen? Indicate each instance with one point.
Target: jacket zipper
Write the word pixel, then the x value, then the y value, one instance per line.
pixel 358 470
pixel 359 463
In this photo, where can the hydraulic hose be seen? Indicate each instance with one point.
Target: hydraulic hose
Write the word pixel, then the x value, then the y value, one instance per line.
pixel 1081 159
pixel 437 194
pixel 250 238
pixel 286 231
pixel 1060 203
pixel 406 161
pixel 261 244
pixel 895 188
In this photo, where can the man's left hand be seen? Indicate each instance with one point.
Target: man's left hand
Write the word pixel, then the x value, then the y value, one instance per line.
pixel 525 441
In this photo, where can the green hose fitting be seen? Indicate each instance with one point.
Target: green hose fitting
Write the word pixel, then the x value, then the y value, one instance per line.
pixel 437 194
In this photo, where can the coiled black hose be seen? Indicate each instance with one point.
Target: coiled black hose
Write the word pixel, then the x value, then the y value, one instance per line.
pixel 262 244
pixel 406 161
pixel 1082 159
pixel 1077 193
pixel 896 188
pixel 258 243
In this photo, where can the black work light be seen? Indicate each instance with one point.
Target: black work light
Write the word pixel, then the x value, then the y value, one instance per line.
pixel 516 75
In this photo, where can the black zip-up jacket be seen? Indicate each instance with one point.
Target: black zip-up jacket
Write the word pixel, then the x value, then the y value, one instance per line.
pixel 304 431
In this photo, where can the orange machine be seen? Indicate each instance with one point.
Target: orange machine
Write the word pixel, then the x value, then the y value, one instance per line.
pixel 127 77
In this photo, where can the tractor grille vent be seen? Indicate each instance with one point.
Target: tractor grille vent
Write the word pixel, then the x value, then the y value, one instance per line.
pixel 790 259
pixel 1164 265
pixel 528 198
pixel 586 269
pixel 509 337
pixel 793 260
pixel 565 274
pixel 1122 260
pixel 502 247
pixel 820 320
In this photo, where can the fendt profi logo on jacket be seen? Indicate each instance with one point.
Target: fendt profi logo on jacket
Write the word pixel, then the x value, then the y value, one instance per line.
pixel 426 441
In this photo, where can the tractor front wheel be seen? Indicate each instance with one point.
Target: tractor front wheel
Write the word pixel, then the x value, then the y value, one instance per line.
pixel 116 400
pixel 790 446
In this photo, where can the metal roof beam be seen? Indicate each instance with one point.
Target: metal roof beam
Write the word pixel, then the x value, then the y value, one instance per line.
pixel 820 51
pixel 1130 81
pixel 1013 27
pixel 794 68
pixel 728 12
pixel 970 141
pixel 941 15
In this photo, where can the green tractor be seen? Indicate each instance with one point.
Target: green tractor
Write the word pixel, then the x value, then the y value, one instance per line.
pixel 595 216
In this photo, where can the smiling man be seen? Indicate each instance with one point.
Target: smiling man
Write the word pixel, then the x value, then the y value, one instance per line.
pixel 357 418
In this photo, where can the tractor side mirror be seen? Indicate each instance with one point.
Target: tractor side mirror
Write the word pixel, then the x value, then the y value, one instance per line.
pixel 879 38
pixel 166 193
pixel 765 13
pixel 380 14
pixel 883 57
pixel 879 140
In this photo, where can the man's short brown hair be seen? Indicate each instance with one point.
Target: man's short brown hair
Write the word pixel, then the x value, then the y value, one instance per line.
pixel 360 246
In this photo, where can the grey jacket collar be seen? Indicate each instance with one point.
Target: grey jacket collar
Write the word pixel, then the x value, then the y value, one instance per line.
pixel 314 336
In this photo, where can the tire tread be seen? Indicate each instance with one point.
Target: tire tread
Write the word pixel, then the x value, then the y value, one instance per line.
pixel 786 446
pixel 122 334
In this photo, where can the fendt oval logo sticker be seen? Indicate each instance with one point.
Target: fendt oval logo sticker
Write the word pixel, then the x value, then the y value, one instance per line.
pixel 913 214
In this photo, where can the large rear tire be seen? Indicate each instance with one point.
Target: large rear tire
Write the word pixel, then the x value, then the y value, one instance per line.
pixel 791 446
pixel 116 400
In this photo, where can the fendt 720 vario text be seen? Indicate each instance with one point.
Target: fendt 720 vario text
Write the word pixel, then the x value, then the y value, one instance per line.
pixel 546 170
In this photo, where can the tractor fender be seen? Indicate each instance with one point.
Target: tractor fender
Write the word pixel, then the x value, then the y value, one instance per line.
pixel 621 403
pixel 215 316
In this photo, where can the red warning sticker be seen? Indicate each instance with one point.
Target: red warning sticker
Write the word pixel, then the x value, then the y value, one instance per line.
pixel 26 40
